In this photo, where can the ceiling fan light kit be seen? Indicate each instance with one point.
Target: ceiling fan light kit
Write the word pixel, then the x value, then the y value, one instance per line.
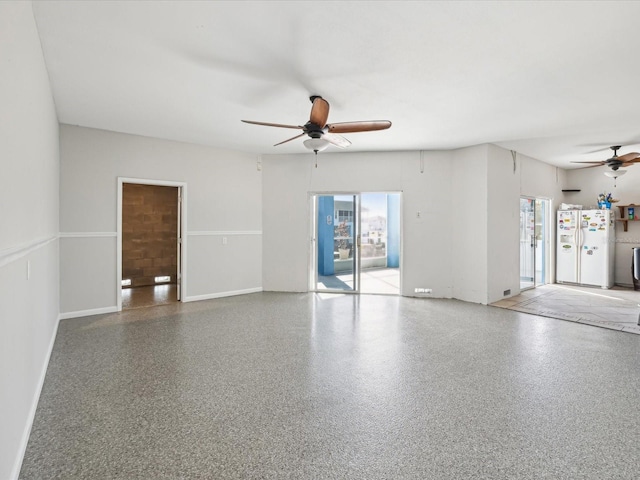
pixel 316 144
pixel 615 173
pixel 322 134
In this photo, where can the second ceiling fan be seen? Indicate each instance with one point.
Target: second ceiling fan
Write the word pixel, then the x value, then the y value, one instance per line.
pixel 322 134
pixel 615 162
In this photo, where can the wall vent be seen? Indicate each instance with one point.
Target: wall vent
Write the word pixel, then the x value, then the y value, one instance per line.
pixel 506 292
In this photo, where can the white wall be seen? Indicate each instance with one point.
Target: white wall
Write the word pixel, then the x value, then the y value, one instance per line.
pixel 288 180
pixel 467 207
pixel 28 228
pixel 591 182
pixel 531 178
pixel 503 224
pixel 223 201
pixel 464 244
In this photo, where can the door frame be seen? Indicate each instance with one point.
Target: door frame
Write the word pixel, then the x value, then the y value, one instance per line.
pixel 545 268
pixel 182 228
pixel 312 265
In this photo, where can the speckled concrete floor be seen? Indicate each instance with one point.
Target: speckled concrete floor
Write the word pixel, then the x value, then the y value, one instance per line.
pixel 307 386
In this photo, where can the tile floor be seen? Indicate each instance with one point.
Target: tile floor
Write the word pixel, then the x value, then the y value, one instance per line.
pixel 615 309
pixel 319 386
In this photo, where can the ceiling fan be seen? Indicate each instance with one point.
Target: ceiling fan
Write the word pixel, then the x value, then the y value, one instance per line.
pixel 615 162
pixel 322 134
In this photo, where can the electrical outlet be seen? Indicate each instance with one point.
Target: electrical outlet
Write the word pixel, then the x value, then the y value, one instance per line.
pixel 224 240
pixel 422 290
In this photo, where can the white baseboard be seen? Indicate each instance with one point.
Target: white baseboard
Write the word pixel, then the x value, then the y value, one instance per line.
pixel 34 406
pixel 86 313
pixel 209 296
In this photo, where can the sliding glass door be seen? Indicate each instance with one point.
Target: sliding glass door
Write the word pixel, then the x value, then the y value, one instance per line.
pixel 356 243
pixel 534 241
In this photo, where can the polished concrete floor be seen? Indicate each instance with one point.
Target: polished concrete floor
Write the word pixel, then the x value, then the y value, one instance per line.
pixel 615 309
pixel 319 386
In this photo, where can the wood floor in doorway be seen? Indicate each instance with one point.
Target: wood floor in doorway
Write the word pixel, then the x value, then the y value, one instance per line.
pixel 139 297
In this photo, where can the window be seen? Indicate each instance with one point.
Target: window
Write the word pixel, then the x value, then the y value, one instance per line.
pixel 344 216
pixel 163 279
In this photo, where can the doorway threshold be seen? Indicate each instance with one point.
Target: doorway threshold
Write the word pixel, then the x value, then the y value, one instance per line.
pixel 149 296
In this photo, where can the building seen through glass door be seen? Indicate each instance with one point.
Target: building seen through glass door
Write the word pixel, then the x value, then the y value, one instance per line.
pixel 357 243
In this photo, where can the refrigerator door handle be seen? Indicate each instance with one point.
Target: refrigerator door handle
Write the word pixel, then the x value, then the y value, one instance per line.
pixel 579 236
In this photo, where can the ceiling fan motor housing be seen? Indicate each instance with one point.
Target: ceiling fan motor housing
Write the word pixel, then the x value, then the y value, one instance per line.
pixel 313 130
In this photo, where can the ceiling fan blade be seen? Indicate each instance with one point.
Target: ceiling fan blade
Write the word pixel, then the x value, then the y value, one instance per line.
pixel 629 156
pixel 354 127
pixel 266 124
pixel 292 138
pixel 597 163
pixel 631 162
pixel 319 112
pixel 337 140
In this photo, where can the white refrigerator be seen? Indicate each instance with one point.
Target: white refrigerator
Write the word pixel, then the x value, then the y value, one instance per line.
pixel 586 247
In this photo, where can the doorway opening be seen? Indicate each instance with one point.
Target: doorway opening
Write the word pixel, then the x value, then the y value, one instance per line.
pixel 534 242
pixel 150 247
pixel 356 243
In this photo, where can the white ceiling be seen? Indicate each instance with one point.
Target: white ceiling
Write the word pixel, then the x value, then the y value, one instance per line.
pixel 552 80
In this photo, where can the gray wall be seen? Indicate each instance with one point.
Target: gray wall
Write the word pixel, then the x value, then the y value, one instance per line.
pixel 28 228
pixel 223 200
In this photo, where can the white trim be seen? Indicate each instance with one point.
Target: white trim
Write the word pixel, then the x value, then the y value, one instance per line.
pixel 10 255
pixel 148 181
pixel 182 187
pixel 87 234
pixel 209 296
pixel 222 232
pixel 87 313
pixel 119 246
pixel 15 472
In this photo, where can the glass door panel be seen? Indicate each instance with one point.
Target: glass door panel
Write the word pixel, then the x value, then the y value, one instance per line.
pixel 337 241
pixel 541 235
pixel 527 243
pixel 380 243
